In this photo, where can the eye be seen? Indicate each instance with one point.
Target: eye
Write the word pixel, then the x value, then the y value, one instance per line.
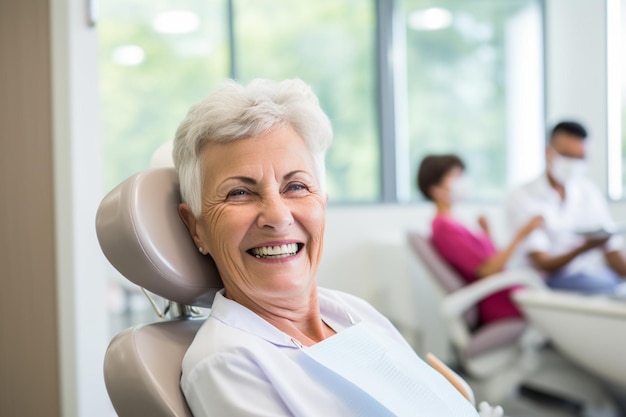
pixel 295 187
pixel 237 193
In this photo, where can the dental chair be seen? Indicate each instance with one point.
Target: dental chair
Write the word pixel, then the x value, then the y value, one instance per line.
pixel 141 234
pixel 506 357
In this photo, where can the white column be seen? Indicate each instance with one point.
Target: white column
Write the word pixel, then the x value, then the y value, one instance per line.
pixel 82 314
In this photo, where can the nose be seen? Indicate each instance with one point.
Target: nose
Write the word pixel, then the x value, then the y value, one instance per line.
pixel 275 213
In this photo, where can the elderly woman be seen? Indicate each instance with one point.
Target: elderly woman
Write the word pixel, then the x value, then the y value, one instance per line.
pixel 251 167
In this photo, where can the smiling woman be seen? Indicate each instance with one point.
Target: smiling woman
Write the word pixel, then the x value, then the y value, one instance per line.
pixel 262 213
pixel 251 167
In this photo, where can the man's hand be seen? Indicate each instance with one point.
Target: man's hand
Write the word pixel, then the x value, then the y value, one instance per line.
pixel 552 263
pixel 593 243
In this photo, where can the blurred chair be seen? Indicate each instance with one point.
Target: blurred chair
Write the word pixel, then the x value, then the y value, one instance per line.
pixel 481 351
pixel 141 234
pixel 590 330
pixel 507 356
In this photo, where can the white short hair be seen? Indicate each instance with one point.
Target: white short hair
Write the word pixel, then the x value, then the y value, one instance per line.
pixel 235 112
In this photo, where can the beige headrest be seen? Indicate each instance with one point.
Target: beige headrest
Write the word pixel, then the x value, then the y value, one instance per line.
pixel 142 235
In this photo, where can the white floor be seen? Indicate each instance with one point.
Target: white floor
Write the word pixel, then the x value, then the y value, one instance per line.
pixel 525 408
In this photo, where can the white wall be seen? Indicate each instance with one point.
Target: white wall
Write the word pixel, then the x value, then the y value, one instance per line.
pixel 576 72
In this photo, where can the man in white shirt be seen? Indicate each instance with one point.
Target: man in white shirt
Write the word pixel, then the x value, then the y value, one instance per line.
pixel 570 205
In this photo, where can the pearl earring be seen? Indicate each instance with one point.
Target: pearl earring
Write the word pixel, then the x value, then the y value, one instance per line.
pixel 201 250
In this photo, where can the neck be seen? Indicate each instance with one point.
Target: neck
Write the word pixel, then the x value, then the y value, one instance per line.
pixel 557 186
pixel 299 317
pixel 443 207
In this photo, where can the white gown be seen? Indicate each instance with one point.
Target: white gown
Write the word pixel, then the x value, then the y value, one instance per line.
pixel 239 365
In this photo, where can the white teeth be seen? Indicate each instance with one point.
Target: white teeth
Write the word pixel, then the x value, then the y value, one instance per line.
pixel 276 251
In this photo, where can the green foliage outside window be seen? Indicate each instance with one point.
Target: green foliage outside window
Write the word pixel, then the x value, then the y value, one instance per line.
pixel 456 87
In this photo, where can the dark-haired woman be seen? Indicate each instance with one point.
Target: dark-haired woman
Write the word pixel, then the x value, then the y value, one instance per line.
pixel 472 254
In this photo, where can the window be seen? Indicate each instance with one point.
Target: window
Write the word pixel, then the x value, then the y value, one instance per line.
pixel 330 44
pixel 467 77
pixel 156 59
pixel 474 87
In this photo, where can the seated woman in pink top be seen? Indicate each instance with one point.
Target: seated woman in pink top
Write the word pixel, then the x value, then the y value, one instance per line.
pixel 472 254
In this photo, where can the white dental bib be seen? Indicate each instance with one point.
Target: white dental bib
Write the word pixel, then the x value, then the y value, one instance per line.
pixel 385 378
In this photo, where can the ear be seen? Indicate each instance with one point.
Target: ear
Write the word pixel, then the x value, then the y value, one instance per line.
pixel 187 216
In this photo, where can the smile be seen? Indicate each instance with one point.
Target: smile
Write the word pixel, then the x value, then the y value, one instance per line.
pixel 276 252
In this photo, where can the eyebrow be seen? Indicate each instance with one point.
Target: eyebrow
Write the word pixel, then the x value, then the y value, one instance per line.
pixel 252 181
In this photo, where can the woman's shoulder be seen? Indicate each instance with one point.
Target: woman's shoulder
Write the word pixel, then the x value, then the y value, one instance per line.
pixel 358 308
pixel 445 227
pixel 444 220
pixel 215 340
pixel 232 329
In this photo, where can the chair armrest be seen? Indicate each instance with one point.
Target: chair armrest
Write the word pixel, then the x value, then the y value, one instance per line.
pixel 456 303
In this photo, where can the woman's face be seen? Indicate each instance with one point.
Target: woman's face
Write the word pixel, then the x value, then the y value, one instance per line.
pixel 446 191
pixel 263 215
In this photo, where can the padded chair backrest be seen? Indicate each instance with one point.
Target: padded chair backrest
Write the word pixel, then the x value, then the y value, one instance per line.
pixel 142 369
pixel 142 235
pixel 447 279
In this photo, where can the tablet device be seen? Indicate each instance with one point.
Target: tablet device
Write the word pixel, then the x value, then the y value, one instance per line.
pixel 600 233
